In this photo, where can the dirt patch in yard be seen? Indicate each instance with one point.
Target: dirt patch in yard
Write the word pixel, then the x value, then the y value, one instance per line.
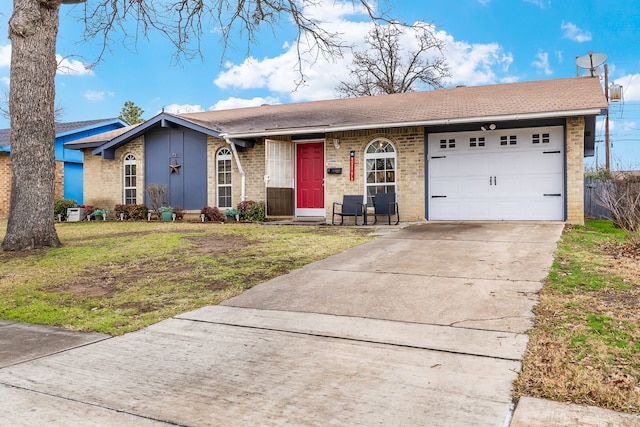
pixel 106 280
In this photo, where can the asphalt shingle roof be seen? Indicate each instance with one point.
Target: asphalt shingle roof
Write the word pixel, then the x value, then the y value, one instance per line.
pixel 543 98
pixel 5 134
pixel 462 104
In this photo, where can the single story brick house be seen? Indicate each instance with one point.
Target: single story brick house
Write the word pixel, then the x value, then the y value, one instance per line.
pixel 69 169
pixel 500 152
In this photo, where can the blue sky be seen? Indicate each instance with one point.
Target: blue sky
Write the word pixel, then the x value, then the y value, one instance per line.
pixel 487 42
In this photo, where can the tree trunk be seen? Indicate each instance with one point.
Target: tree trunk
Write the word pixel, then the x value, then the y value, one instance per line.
pixel 33 29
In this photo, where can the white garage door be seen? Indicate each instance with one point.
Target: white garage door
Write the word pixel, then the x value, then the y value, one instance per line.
pixel 515 174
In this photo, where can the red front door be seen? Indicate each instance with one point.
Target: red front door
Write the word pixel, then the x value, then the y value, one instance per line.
pixel 310 179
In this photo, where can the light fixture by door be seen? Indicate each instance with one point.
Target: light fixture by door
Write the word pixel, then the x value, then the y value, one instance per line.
pixel 336 143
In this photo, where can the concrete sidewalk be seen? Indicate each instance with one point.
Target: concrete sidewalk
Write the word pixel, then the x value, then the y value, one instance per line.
pixel 422 326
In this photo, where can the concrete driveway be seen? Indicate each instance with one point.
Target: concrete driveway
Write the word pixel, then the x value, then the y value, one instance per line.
pixel 422 326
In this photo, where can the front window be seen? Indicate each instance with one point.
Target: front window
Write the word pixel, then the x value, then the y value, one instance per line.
pixel 130 179
pixel 380 168
pixel 223 161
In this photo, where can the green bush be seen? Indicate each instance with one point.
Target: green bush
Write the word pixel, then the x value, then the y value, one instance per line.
pixel 132 211
pixel 60 206
pixel 212 214
pixel 254 212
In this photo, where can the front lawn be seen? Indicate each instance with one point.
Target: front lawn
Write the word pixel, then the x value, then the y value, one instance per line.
pixel 116 277
pixel 585 347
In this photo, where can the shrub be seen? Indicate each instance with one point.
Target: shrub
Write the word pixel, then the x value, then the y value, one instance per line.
pixel 157 195
pixel 132 211
pixel 88 209
pixel 212 214
pixel 179 212
pixel 254 212
pixel 621 196
pixel 60 206
pixel 243 206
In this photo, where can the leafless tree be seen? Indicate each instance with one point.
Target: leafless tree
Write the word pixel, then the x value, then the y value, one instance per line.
pixel 620 194
pixel 33 29
pixel 386 67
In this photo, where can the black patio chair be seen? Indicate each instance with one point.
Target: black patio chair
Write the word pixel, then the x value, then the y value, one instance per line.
pixel 351 206
pixel 385 204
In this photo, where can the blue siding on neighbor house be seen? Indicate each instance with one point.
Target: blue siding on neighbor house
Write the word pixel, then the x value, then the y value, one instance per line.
pixel 188 149
pixel 73 159
pixel 73 182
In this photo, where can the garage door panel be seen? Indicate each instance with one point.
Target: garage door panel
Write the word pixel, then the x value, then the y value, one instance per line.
pixel 451 208
pixel 520 180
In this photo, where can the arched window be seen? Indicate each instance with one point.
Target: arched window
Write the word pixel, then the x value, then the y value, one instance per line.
pixel 223 165
pixel 380 168
pixel 130 179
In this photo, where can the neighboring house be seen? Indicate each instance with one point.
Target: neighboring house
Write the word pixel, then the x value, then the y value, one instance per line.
pixel 502 152
pixel 69 170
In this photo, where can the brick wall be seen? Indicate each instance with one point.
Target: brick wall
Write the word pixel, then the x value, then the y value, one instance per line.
pixel 5 182
pixel 104 179
pixel 59 181
pixel 409 145
pixel 575 170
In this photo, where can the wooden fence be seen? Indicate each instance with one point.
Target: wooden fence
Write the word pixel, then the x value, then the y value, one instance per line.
pixel 592 209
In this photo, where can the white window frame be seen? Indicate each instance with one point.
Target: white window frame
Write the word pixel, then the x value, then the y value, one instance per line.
pixel 224 156
pixel 130 179
pixel 385 178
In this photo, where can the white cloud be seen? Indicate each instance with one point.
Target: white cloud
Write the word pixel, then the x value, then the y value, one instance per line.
pixel 542 63
pixel 97 96
pixel 229 103
pixel 476 64
pixel 73 67
pixel 5 55
pixel 330 11
pixel 572 32
pixel 540 3
pixel 5 80
pixel 470 64
pixel 183 108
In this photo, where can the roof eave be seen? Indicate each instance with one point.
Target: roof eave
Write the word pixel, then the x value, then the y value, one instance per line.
pixel 421 123
pixel 106 150
pixel 93 126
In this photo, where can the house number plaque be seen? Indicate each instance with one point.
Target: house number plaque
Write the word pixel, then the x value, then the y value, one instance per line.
pixel 352 165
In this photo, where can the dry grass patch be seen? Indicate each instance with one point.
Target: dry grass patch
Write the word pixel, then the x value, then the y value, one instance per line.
pixel 585 347
pixel 117 277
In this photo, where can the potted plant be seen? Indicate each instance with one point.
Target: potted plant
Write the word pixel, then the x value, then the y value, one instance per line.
pixel 166 213
pixel 232 214
pixel 100 214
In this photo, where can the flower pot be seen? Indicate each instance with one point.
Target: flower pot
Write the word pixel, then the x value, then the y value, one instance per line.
pixel 166 216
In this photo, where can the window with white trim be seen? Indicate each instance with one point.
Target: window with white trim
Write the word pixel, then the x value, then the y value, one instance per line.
pixel 130 186
pixel 380 168
pixel 223 166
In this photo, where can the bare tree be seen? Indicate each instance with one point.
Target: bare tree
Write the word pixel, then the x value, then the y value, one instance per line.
pixel 385 67
pixel 620 194
pixel 33 29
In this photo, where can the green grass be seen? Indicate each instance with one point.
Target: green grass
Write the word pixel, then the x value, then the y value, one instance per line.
pixel 585 347
pixel 115 277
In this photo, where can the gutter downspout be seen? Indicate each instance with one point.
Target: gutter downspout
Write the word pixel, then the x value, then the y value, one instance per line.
pixel 243 195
